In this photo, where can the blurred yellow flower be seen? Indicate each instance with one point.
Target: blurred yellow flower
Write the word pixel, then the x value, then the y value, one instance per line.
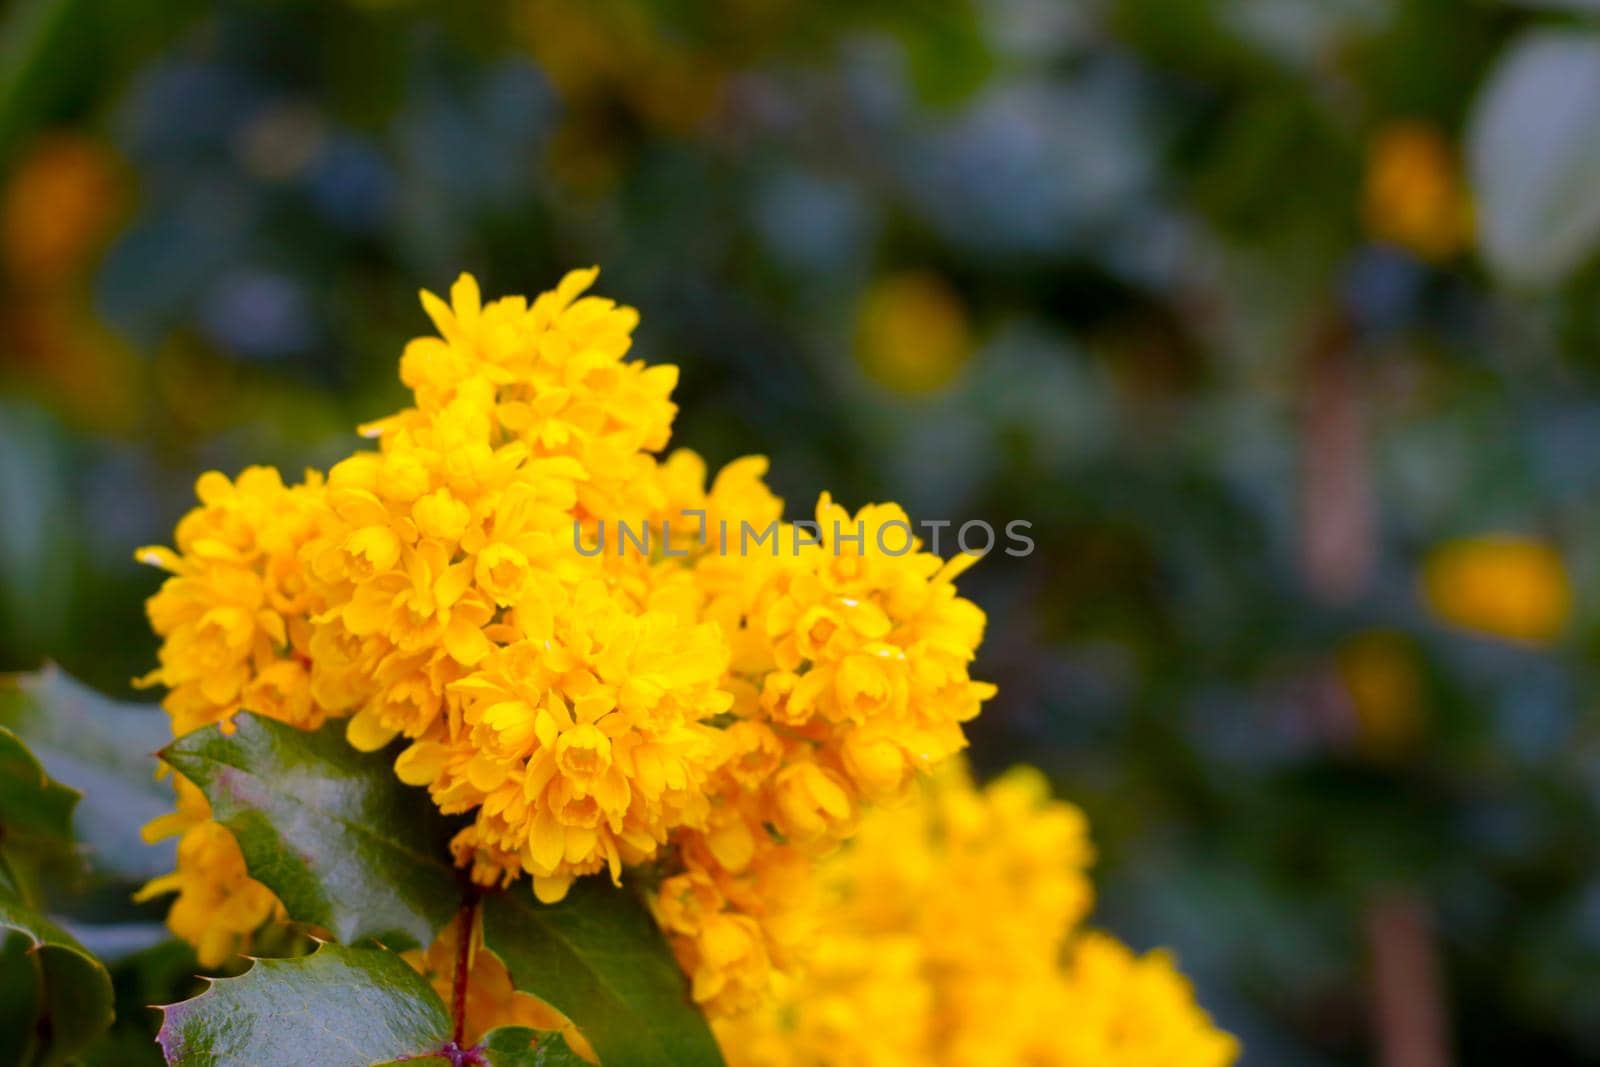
pixel 1129 1011
pixel 912 333
pixel 1380 673
pixel 1506 586
pixel 1414 196
pixel 58 209
pixel 948 935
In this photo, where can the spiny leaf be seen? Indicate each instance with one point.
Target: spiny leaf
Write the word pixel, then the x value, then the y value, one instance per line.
pixel 599 959
pixel 329 829
pixel 104 749
pixel 73 989
pixel 338 1007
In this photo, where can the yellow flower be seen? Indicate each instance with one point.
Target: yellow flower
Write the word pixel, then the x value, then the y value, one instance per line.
pixel 1505 586
pixel 912 333
pixel 1414 196
pixel 583 743
pixel 233 617
pixel 738 914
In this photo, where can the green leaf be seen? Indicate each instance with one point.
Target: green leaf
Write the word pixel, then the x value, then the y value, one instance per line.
pixel 344 844
pixel 19 1008
pixel 105 749
pixel 34 32
pixel 338 1006
pixel 599 959
pixel 72 989
pixel 518 1046
pixel 1534 155
pixel 35 816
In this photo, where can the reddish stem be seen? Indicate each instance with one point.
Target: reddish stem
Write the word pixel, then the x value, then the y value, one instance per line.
pixel 1408 991
pixel 1338 542
pixel 458 1006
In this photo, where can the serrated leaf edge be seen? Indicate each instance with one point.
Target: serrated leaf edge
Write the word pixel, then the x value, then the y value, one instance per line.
pixel 361 828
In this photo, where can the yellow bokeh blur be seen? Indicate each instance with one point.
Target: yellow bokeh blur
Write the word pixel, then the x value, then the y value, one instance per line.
pixel 61 206
pixel 60 203
pixel 1413 193
pixel 912 333
pixel 1384 682
pixel 1515 588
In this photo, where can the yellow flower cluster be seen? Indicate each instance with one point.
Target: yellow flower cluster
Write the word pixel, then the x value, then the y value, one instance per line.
pixel 849 676
pixel 949 937
pixel 722 698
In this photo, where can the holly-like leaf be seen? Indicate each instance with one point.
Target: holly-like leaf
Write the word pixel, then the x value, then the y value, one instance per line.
pixel 69 989
pixel 105 749
pixel 338 1007
pixel 344 844
pixel 599 959
pixel 518 1046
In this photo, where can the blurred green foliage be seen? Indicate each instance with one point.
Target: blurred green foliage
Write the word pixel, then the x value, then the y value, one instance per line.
pixel 1247 305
